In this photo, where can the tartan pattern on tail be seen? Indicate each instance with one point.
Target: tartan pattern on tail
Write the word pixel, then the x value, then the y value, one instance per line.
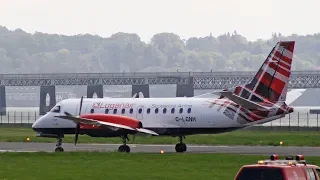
pixel 268 88
pixel 270 84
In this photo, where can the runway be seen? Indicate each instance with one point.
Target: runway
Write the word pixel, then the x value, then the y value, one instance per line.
pixel 148 148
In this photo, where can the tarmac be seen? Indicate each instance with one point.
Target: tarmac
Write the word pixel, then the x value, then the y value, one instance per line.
pixel 148 148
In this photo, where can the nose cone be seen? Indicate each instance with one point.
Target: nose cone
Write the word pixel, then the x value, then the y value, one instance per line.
pixel 34 125
pixel 37 124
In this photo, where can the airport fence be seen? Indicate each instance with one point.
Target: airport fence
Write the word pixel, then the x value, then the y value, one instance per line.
pixel 295 120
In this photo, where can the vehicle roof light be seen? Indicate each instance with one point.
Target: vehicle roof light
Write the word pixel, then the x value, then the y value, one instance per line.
pixel 289 161
pixel 274 157
pixel 260 162
pixel 299 157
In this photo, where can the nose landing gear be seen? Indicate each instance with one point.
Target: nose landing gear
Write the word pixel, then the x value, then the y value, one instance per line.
pixel 59 148
pixel 58 136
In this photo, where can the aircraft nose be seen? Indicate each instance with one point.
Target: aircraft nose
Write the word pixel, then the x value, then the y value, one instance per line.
pixel 37 123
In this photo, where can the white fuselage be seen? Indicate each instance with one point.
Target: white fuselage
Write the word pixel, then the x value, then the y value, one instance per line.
pixel 159 114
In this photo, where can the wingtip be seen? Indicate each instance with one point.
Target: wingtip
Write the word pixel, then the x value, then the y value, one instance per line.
pixel 147 131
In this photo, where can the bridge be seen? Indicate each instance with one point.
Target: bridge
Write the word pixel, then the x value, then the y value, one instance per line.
pixel 186 82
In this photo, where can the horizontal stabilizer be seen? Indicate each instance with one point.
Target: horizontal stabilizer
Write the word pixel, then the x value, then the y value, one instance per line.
pixel 243 102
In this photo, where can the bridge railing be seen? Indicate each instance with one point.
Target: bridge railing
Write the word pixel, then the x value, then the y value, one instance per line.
pixel 140 74
pixel 293 120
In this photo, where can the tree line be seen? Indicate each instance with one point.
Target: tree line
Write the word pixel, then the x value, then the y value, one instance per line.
pixel 22 52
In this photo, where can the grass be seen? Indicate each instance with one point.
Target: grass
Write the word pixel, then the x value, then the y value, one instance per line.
pixel 94 165
pixel 246 137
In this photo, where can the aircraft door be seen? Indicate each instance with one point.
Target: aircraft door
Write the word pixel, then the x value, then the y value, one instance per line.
pixel 139 112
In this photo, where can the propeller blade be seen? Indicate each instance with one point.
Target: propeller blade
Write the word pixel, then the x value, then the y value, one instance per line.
pixel 68 114
pixel 80 105
pixel 78 124
pixel 77 133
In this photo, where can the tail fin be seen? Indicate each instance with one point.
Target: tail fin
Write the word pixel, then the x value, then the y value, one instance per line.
pixel 270 84
pixel 271 81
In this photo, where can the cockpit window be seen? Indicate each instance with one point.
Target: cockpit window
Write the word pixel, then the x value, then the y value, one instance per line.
pixel 56 109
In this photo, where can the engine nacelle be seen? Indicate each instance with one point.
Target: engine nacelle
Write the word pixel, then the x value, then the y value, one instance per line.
pixel 113 118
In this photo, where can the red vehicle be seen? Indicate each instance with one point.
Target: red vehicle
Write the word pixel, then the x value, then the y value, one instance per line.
pixel 275 169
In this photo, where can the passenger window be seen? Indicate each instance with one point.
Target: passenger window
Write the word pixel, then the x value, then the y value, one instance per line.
pixel 106 111
pixel 56 109
pixel 140 111
pixel 115 111
pixel 148 110
pixel 156 110
pixel 172 110
pixel 131 111
pixel 181 110
pixel 164 110
pixel 123 111
pixel 92 111
pixel 189 110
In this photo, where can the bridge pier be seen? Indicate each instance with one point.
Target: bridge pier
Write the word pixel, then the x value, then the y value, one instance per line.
pixel 3 103
pixel 44 91
pixel 185 89
pixel 98 89
pixel 144 88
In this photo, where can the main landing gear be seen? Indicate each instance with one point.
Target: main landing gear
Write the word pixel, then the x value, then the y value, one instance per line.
pixel 59 148
pixel 124 147
pixel 181 147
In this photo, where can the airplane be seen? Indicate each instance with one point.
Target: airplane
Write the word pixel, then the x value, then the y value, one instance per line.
pixel 260 101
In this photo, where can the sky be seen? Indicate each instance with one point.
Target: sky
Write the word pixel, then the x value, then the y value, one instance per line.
pixel 253 19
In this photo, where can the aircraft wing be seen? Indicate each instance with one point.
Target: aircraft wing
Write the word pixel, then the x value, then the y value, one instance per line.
pixel 243 102
pixel 108 124
pixel 78 119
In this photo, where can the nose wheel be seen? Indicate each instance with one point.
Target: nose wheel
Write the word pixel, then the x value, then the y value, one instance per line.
pixel 181 147
pixel 124 147
pixel 59 148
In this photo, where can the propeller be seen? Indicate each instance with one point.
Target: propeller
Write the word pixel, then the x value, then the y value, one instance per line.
pixel 77 130
pixel 78 123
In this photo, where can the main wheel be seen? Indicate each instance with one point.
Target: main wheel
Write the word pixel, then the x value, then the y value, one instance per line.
pixel 181 147
pixel 127 148
pixel 59 149
pixel 124 148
